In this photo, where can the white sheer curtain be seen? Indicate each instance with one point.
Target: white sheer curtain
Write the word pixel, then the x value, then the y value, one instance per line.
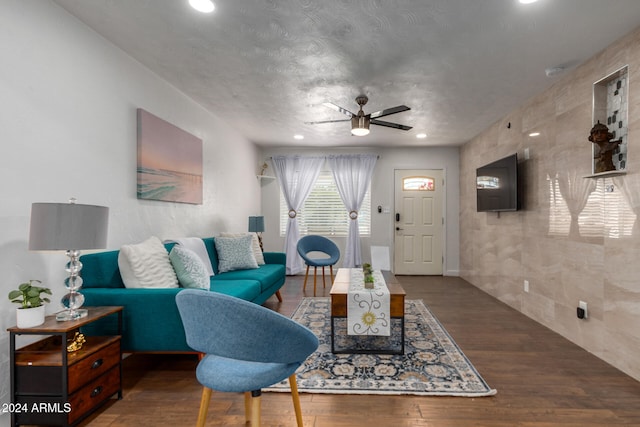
pixel 296 176
pixel 352 174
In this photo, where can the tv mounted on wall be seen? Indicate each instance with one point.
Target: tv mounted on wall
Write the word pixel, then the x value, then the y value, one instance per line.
pixel 497 185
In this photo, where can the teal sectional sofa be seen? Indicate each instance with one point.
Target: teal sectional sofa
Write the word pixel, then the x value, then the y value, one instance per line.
pixel 151 322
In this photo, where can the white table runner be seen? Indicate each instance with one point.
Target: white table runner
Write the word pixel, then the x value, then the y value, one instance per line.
pixel 368 310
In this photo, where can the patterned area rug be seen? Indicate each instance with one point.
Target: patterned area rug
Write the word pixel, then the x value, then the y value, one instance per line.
pixel 432 365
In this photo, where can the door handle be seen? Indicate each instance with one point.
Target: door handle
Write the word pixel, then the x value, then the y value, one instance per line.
pixel 397 217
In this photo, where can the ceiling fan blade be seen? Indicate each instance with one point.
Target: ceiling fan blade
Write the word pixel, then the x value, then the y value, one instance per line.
pixel 390 125
pixel 338 109
pixel 327 121
pixel 389 111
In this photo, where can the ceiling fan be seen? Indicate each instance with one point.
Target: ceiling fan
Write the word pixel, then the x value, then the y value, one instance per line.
pixel 360 122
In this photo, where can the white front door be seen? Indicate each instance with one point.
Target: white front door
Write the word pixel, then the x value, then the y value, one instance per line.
pixel 418 222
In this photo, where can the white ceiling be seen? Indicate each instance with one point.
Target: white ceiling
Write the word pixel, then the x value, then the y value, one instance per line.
pixel 266 66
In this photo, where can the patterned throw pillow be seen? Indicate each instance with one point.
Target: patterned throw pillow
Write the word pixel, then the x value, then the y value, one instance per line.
pixel 255 245
pixel 146 265
pixel 235 253
pixel 191 271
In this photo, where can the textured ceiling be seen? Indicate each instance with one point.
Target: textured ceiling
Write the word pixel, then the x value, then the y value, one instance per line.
pixel 266 66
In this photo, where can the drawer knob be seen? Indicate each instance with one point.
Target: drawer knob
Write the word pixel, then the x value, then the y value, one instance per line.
pixel 96 391
pixel 97 364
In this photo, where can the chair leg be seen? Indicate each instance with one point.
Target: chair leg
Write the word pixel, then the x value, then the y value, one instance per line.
pixel 204 406
pixel 331 270
pixel 304 286
pixel 324 285
pixel 296 399
pixel 315 271
pixel 256 398
pixel 279 295
pixel 247 406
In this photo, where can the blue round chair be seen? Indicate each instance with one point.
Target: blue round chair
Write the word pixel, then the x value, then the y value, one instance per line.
pixel 314 244
pixel 245 347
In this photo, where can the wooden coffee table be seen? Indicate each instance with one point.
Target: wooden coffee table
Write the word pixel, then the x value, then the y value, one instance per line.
pixel 338 294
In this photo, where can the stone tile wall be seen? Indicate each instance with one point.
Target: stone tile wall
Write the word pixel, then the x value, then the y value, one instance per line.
pixel 576 239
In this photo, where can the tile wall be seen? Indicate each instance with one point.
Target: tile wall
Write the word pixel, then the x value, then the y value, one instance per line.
pixel 576 239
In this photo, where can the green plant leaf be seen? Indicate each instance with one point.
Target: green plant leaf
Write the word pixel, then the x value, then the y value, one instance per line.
pixel 14 294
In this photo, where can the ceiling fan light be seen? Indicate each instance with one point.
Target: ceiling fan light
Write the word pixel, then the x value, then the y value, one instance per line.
pixel 360 126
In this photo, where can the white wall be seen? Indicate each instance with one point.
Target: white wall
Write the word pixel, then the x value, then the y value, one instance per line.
pixel 382 193
pixel 68 104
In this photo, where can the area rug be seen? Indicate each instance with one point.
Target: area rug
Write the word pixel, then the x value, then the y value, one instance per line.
pixel 432 364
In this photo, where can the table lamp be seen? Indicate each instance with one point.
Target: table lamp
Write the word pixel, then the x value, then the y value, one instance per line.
pixel 69 227
pixel 256 225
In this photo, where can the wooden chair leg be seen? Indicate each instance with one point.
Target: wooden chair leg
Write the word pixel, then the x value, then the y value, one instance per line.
pixel 204 406
pixel 324 285
pixel 247 406
pixel 296 399
pixel 315 270
pixel 279 295
pixel 256 399
pixel 331 270
pixel 304 286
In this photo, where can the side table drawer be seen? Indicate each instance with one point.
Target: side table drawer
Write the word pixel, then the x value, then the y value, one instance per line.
pixel 54 410
pixel 93 366
pixel 92 394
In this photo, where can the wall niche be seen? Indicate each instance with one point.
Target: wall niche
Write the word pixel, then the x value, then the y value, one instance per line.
pixel 610 108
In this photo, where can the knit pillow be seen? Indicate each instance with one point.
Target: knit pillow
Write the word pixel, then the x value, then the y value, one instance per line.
pixel 189 267
pixel 235 253
pixel 146 265
pixel 255 245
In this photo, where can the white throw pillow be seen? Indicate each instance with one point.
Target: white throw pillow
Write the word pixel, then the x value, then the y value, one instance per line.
pixel 189 267
pixel 146 265
pixel 234 253
pixel 255 245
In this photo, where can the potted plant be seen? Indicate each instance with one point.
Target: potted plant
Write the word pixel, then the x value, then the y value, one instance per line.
pixel 366 268
pixel 368 281
pixel 31 310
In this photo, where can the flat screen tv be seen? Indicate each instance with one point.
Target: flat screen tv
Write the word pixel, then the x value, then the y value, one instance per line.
pixel 497 186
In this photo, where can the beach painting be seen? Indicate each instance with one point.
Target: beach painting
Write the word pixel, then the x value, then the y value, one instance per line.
pixel 169 161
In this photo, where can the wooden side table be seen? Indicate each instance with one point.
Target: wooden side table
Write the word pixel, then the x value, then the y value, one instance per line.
pixel 53 387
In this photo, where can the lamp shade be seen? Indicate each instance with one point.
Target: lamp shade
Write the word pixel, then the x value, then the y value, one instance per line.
pixel 256 224
pixel 68 226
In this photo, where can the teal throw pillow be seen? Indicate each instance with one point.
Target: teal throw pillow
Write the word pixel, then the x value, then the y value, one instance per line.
pixel 191 271
pixel 235 253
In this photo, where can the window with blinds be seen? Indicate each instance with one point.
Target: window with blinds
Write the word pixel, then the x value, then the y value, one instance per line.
pixel 324 213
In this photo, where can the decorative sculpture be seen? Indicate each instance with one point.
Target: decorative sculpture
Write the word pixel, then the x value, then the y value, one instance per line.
pixel 76 343
pixel 603 154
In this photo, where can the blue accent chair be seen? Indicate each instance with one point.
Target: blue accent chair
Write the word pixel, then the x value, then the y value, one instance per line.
pixel 245 347
pixel 311 244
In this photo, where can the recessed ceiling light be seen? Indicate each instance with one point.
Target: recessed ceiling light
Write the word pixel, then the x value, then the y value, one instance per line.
pixel 527 1
pixel 421 135
pixel 534 134
pixel 204 6
pixel 298 136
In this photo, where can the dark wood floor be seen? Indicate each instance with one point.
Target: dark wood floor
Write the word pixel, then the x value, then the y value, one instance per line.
pixel 542 379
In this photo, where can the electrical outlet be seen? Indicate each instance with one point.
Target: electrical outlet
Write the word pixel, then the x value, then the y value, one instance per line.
pixel 526 286
pixel 583 306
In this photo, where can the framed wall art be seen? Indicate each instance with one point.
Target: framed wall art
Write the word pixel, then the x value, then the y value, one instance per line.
pixel 169 161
